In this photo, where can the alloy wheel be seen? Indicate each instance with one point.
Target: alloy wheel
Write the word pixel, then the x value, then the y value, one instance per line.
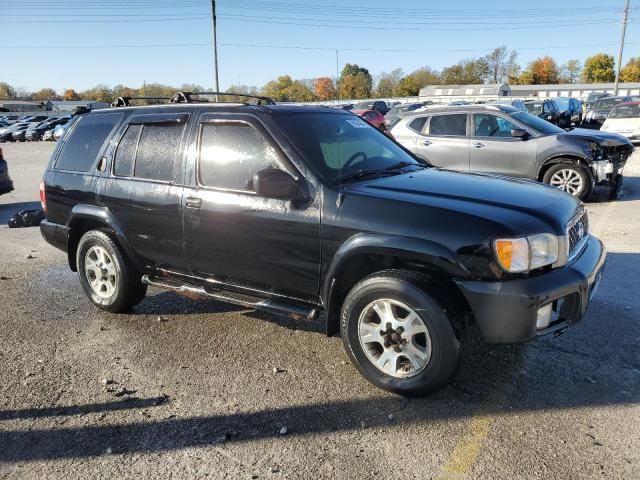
pixel 100 271
pixel 567 180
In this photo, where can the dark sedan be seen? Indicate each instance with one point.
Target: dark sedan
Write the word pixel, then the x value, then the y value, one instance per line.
pixel 600 110
pixel 6 134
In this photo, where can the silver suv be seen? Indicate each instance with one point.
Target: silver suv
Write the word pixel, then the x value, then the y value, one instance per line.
pixel 502 140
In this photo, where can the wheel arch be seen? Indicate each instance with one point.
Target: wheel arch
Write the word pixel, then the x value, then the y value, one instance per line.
pixel 569 158
pixel 90 217
pixel 365 254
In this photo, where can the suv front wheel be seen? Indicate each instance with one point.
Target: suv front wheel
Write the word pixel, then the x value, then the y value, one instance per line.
pixel 107 276
pixel 398 335
pixel 570 178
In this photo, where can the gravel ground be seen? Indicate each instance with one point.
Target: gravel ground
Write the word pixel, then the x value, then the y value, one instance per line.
pixel 199 389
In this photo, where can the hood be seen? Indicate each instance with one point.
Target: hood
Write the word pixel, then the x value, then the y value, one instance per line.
pixel 434 186
pixel 630 124
pixel 604 139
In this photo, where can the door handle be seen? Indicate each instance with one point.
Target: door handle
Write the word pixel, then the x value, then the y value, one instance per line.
pixel 426 143
pixel 193 202
pixel 478 145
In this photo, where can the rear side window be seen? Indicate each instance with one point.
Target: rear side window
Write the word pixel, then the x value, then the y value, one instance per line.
pixel 231 153
pixel 149 151
pixel 417 124
pixel 449 124
pixel 87 137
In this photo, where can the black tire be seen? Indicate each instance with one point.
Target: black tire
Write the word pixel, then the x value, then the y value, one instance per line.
pixel 410 289
pixel 584 192
pixel 128 289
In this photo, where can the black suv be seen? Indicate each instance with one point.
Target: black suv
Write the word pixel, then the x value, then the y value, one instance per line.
pixel 545 109
pixel 303 210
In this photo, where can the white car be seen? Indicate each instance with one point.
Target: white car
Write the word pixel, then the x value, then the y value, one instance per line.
pixel 624 119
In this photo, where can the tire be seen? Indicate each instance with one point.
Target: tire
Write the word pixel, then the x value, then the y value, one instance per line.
pixel 117 286
pixel 570 178
pixel 407 294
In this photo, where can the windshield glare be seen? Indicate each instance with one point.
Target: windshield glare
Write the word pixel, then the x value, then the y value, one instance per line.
pixel 625 111
pixel 537 123
pixel 337 144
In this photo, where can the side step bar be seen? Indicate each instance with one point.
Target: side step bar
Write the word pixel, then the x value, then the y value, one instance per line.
pixel 293 311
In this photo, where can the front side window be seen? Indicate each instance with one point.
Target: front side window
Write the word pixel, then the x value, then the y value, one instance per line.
pixel 231 153
pixel 81 148
pixel 149 151
pixel 489 125
pixel 449 125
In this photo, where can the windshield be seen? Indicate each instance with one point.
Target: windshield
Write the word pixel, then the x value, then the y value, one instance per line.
pixel 625 111
pixel 534 107
pixel 336 144
pixel 537 123
pixel 364 106
pixel 563 103
pixel 607 103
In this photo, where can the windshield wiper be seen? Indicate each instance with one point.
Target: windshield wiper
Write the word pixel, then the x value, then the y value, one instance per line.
pixel 390 170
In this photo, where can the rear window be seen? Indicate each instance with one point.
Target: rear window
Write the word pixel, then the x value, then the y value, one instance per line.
pixel 625 111
pixel 85 140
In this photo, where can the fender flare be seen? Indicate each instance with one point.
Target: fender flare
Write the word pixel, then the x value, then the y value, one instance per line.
pixel 103 216
pixel 421 251
pixel 553 159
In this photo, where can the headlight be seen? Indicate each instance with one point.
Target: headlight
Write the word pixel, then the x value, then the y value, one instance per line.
pixel 516 255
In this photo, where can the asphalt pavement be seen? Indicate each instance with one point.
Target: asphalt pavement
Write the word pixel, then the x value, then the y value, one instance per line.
pixel 181 388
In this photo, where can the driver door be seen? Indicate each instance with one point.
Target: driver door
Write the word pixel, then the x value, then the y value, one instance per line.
pixel 233 235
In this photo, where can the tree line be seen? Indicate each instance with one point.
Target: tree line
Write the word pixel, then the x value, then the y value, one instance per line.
pixel 356 82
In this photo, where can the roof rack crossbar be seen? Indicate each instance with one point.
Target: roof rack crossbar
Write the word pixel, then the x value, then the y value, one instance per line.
pixel 126 101
pixel 186 97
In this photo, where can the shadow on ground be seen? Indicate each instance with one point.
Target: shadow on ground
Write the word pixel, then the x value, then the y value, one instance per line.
pixel 7 210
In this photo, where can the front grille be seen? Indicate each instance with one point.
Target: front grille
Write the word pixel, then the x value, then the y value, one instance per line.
pixel 577 233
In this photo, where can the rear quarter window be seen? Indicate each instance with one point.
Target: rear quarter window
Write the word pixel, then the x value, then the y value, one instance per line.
pixel 85 140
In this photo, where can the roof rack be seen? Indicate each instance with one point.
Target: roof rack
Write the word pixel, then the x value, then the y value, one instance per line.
pixel 126 101
pixel 186 97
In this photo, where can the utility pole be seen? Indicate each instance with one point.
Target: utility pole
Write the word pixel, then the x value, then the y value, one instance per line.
pixel 337 77
pixel 215 48
pixel 624 31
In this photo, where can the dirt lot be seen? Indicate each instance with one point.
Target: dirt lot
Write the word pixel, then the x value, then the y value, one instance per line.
pixel 186 389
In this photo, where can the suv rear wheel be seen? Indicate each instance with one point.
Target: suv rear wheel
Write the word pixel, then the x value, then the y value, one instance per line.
pixel 570 178
pixel 107 276
pixel 398 335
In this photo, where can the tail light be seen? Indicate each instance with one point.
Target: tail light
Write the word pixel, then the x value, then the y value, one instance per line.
pixel 43 197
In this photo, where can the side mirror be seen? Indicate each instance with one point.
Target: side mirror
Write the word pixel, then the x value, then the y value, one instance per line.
pixel 520 133
pixel 275 183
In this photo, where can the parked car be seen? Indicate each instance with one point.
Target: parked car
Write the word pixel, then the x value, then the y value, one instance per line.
pixel 570 111
pixel 600 109
pixel 299 210
pixel 624 119
pixel 394 114
pixel 47 136
pixel 546 109
pixel 6 133
pixel 594 97
pixel 59 131
pixel 6 184
pixel 18 135
pixel 378 105
pixel 374 117
pixel 504 141
pixel 36 131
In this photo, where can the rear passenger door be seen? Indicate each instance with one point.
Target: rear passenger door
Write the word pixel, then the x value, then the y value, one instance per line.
pixel 232 234
pixel 444 141
pixel 143 188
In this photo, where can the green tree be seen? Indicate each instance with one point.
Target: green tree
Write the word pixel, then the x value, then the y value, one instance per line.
pixel 99 93
pixel 571 71
pixel 285 89
pixel 631 71
pixel 124 91
pixel 500 64
pixel 599 68
pixel 388 82
pixel 45 94
pixel 407 87
pixel 525 78
pixel 355 82
pixel 7 91
pixel 466 72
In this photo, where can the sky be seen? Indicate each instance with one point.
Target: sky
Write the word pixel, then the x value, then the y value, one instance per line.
pixel 81 43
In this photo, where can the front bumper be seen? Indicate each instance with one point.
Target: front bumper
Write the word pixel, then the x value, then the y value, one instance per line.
pixel 506 312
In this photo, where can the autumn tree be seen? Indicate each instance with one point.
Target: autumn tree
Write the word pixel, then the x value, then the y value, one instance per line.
pixel 571 71
pixel 70 94
pixel 466 72
pixel 541 71
pixel 599 68
pixel 124 91
pixel 407 87
pixel 99 93
pixel 45 94
pixel 7 91
pixel 525 78
pixel 388 82
pixel 631 71
pixel 355 82
pixel 324 88
pixel 285 89
pixel 500 64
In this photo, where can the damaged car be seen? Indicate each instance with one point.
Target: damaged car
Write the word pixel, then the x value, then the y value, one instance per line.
pixel 501 140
